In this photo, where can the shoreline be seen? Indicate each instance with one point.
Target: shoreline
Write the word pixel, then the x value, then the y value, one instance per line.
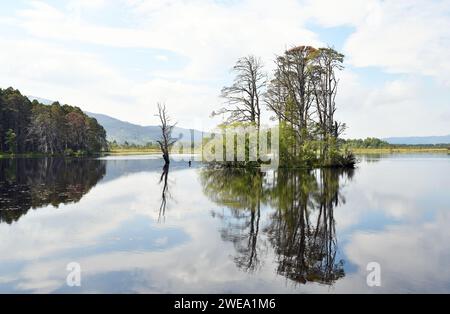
pixel 131 152
pixel 406 150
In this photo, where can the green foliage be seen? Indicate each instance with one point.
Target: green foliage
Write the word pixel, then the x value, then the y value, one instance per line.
pixel 251 141
pixel 301 94
pixel 11 141
pixel 369 142
pixel 114 146
pixel 32 127
pixel 340 158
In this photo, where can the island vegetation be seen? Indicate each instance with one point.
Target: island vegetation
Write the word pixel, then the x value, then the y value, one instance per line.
pixel 301 96
pixel 29 127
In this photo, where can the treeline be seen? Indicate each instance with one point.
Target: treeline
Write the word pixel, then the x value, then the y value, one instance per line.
pixel 369 142
pixel 32 127
pixel 114 145
pixel 301 95
pixel 377 143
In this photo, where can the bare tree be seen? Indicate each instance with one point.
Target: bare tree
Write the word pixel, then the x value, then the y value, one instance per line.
pixel 325 84
pixel 326 62
pixel 166 142
pixel 244 96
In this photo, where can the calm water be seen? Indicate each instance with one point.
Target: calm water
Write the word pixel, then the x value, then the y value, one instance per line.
pixel 134 228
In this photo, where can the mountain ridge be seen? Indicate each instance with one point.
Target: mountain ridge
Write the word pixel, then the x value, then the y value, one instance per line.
pixel 419 140
pixel 125 132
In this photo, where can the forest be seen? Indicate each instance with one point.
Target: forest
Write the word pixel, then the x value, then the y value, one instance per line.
pixel 31 127
pixel 301 95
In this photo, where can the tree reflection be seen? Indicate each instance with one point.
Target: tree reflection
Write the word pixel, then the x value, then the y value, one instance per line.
pixel 33 183
pixel 300 227
pixel 164 180
pixel 240 191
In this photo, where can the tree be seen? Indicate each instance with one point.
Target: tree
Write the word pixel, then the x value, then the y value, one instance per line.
pixel 289 96
pixel 289 93
pixel 77 129
pixel 43 130
pixel 326 62
pixel 302 95
pixel 15 115
pixel 2 120
pixel 96 136
pixel 166 141
pixel 11 141
pixel 50 129
pixel 243 98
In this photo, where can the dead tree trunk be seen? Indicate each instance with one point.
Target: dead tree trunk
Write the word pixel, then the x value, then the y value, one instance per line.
pixel 166 141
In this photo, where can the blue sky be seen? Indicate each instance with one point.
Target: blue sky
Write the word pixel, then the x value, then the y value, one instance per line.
pixel 121 57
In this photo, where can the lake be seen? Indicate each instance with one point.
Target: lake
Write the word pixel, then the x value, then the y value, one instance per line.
pixel 133 228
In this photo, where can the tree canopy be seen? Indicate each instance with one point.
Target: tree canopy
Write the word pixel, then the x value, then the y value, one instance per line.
pixel 301 95
pixel 31 127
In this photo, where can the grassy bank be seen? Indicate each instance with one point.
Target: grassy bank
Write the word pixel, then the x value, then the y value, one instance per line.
pixel 139 151
pixel 133 151
pixel 27 155
pixel 401 150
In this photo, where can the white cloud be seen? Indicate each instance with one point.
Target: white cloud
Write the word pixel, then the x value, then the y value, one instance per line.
pixel 397 36
pixel 402 106
pixel 337 13
pixel 162 58
pixel 77 5
pixel 409 38
pixel 209 34
pixel 400 36
pixel 404 37
pixel 426 246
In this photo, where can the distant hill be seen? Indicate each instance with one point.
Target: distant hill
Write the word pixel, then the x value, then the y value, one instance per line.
pixel 121 131
pixel 41 100
pixel 419 140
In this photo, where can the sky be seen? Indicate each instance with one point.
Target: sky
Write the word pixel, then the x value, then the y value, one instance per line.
pixel 122 57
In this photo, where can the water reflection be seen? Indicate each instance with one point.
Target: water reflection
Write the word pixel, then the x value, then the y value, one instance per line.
pixel 300 228
pixel 241 192
pixel 165 191
pixel 34 183
pixel 281 229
